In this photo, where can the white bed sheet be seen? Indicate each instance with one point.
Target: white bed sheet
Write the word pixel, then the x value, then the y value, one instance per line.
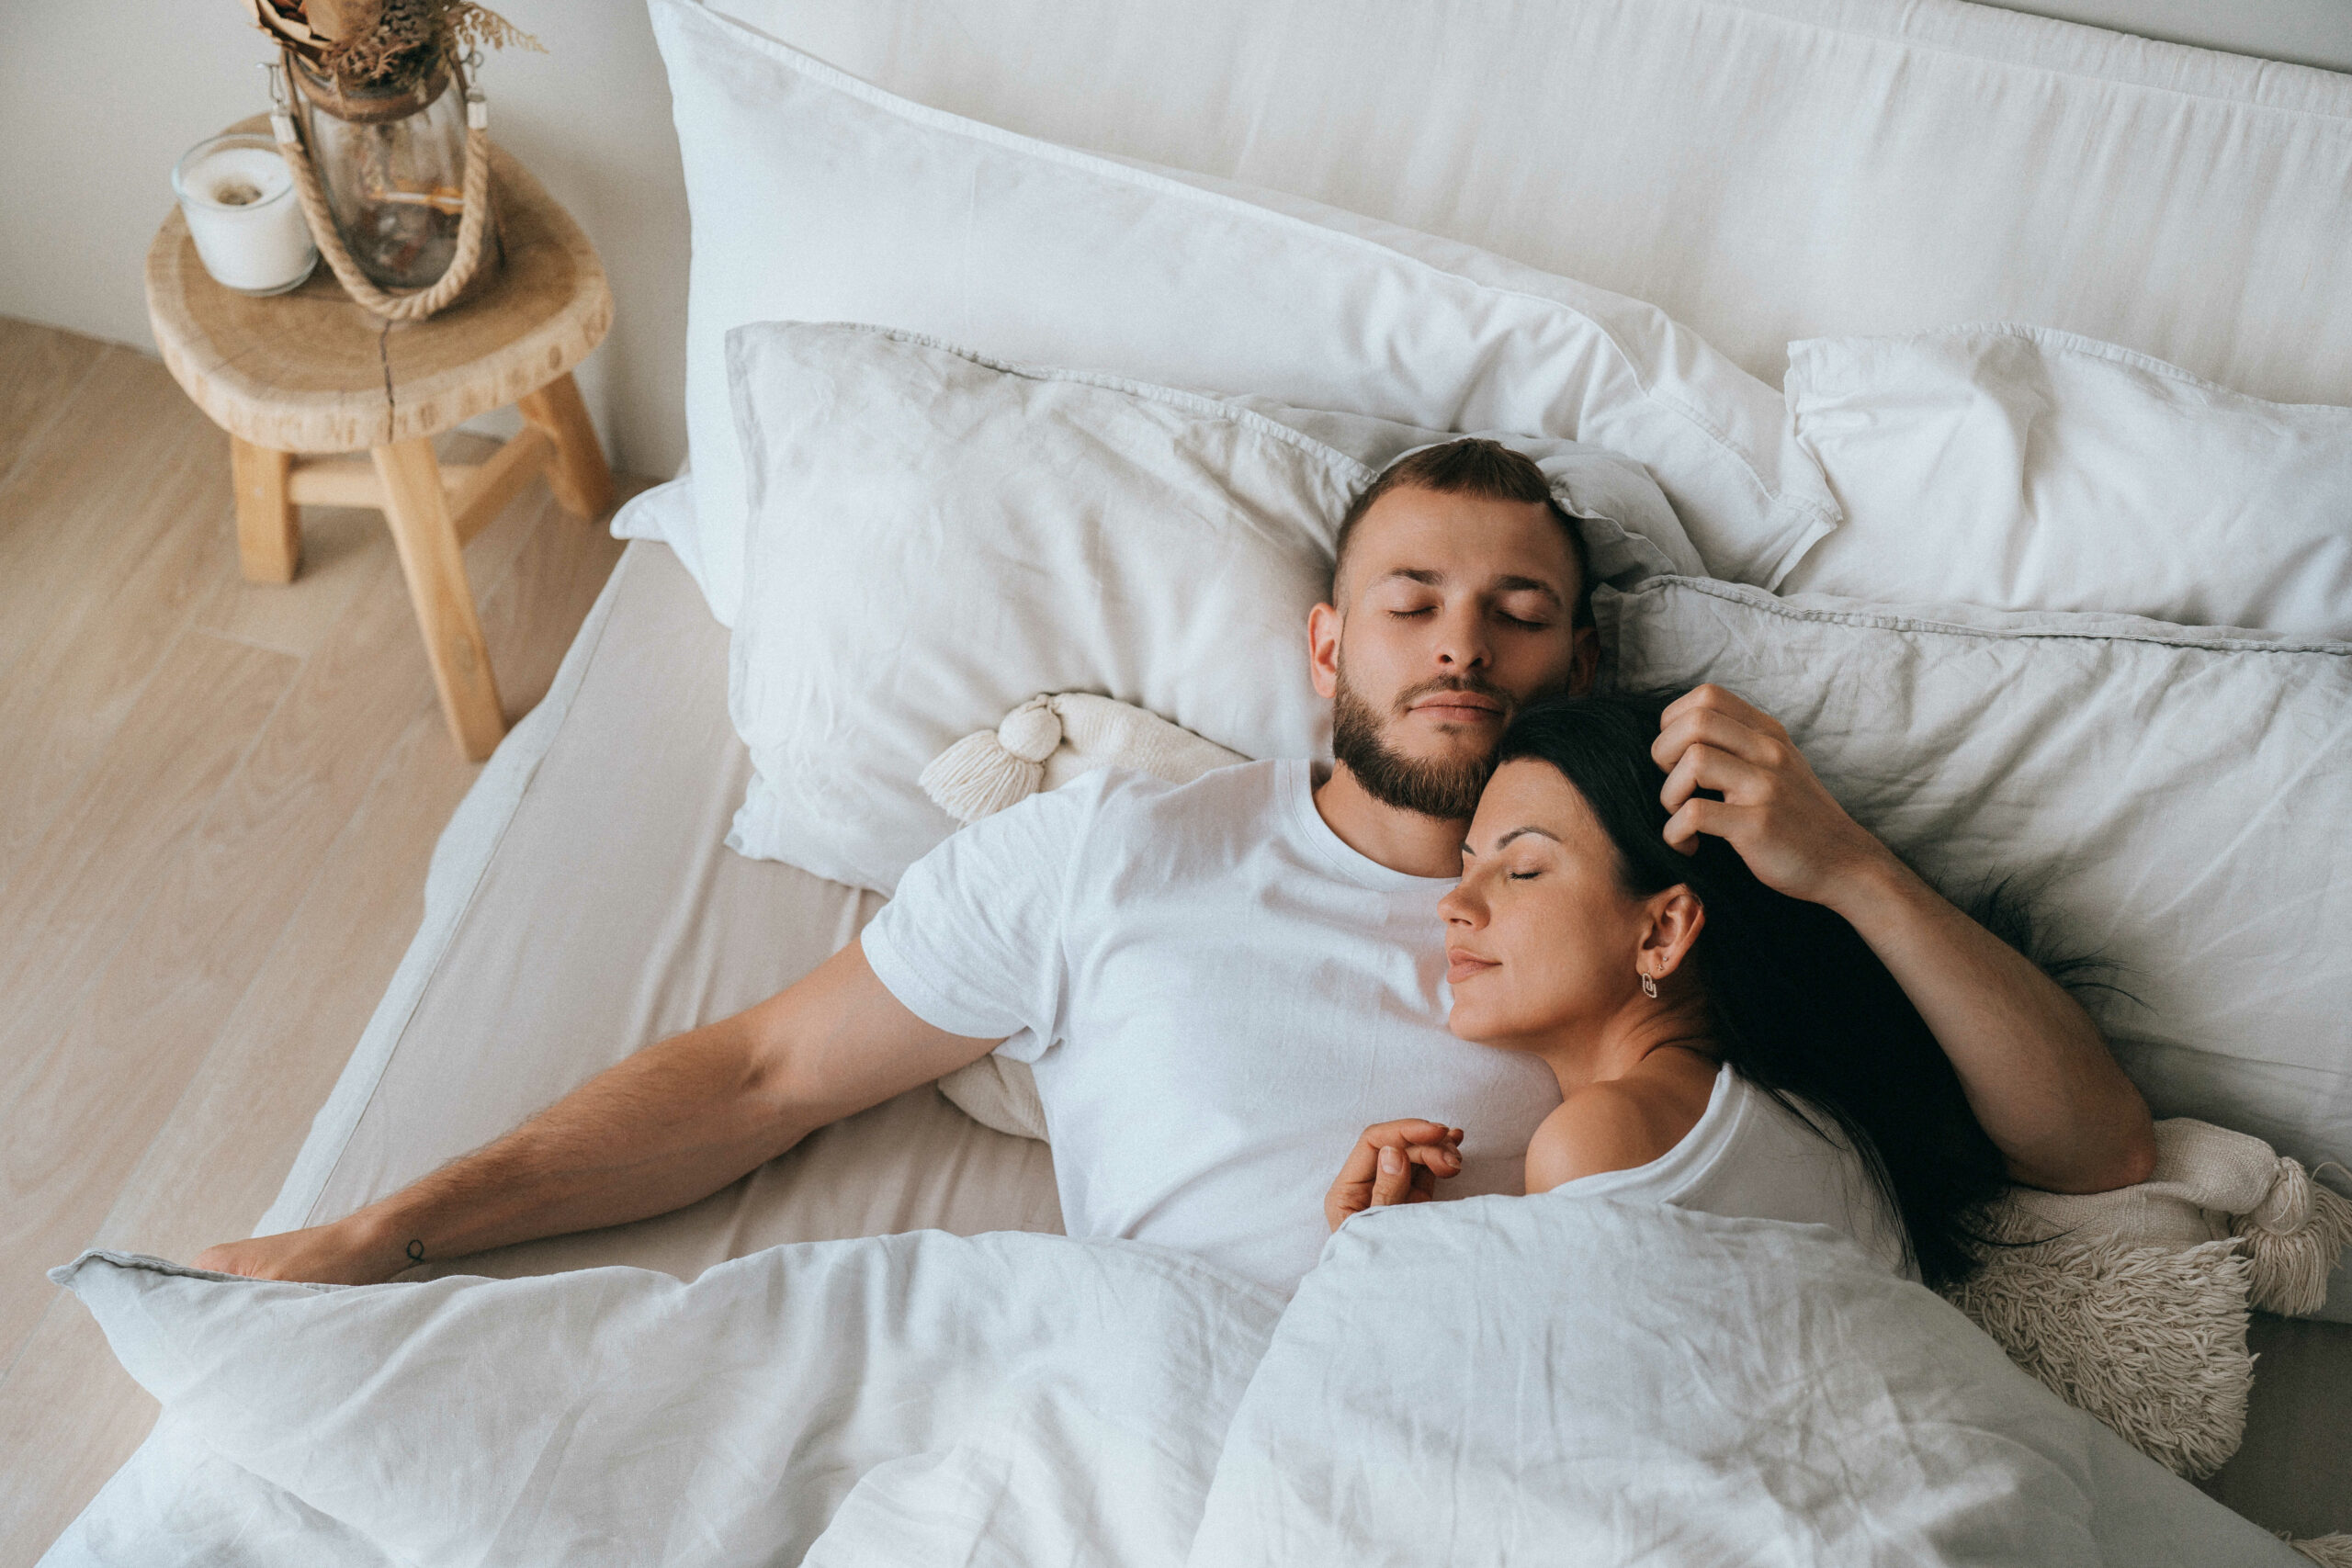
pixel 581 905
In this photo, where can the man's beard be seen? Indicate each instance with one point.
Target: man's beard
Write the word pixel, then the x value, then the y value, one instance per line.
pixel 1446 789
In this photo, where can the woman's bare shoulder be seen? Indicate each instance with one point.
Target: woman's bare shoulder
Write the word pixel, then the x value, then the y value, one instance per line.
pixel 1621 1122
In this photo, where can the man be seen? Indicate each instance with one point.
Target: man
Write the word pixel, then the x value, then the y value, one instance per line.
pixel 1219 984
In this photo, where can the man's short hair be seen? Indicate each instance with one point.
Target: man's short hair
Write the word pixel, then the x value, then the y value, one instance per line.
pixel 1473 466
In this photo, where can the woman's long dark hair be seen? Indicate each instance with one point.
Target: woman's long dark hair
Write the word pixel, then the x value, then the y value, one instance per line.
pixel 1800 1006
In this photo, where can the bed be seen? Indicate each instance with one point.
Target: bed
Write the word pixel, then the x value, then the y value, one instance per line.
pixel 1764 172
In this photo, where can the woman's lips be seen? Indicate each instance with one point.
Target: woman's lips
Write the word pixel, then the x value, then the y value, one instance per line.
pixel 1461 966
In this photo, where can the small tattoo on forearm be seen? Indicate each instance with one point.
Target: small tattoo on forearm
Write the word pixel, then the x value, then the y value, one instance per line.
pixel 417 1252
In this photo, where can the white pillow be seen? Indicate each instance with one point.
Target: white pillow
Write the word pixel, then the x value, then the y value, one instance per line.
pixel 938 537
pixel 2024 468
pixel 2175 799
pixel 816 196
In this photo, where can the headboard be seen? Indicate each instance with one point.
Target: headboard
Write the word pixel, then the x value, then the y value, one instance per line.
pixel 1764 170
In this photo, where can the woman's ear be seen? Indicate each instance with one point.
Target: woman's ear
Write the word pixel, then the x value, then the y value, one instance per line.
pixel 1675 920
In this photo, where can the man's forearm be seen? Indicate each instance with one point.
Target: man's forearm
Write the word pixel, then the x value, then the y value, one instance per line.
pixel 2039 1077
pixel 672 1123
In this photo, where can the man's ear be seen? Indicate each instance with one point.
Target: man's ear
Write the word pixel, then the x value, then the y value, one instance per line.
pixel 1584 660
pixel 1323 624
pixel 1675 920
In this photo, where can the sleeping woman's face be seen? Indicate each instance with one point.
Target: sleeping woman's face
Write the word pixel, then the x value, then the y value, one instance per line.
pixel 1543 944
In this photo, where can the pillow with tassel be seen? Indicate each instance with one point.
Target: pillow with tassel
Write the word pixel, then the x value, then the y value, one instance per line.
pixel 2132 1305
pixel 1043 744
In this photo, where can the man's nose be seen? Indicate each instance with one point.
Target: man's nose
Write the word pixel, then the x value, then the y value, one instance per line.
pixel 1462 640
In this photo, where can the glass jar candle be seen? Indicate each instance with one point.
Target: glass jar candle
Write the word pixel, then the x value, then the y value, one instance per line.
pixel 238 197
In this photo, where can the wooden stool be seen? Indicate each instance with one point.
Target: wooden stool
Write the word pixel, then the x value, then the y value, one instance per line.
pixel 309 371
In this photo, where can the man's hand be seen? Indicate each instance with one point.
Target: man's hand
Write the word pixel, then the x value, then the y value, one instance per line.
pixel 1394 1162
pixel 2035 1070
pixel 334 1254
pixel 1774 811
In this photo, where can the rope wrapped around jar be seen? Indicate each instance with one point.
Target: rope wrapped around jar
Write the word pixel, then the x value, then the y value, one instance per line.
pixel 473 227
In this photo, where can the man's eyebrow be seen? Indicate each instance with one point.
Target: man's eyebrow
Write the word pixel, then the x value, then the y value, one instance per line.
pixel 1526 584
pixel 1512 583
pixel 1522 832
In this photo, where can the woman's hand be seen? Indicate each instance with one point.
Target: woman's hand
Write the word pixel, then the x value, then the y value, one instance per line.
pixel 1394 1162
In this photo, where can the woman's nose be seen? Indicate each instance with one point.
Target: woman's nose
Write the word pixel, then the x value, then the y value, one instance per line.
pixel 1458 908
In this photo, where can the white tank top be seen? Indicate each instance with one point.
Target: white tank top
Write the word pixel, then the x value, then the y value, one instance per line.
pixel 1751 1158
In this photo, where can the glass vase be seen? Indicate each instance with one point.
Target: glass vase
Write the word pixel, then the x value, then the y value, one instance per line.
pixel 391 161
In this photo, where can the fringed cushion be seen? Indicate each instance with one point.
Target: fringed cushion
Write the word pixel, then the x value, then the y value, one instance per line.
pixel 2149 1339
pixel 2132 1305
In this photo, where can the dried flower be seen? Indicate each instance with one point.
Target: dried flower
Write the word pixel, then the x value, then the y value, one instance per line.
pixel 383 42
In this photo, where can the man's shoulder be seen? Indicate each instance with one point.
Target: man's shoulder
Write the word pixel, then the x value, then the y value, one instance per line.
pixel 1238 791
pixel 1234 785
pixel 1117 815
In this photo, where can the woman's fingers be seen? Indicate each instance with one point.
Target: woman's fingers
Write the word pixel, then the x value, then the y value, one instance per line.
pixel 1411 1130
pixel 1410 1173
pixel 1425 1180
pixel 1394 1179
pixel 1394 1162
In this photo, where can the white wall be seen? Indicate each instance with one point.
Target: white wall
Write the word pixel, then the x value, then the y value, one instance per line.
pixel 93 114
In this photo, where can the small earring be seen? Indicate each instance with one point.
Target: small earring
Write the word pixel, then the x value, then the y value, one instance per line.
pixel 1649 987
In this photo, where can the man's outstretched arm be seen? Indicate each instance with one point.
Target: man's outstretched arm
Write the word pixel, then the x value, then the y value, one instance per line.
pixel 2040 1078
pixel 672 1124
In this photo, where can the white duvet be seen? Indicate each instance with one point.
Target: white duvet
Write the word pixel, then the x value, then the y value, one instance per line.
pixel 1520 1381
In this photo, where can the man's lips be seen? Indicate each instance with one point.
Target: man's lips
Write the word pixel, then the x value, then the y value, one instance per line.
pixel 1461 965
pixel 1460 706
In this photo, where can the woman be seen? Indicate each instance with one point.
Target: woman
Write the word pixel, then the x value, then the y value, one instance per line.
pixel 1718 1045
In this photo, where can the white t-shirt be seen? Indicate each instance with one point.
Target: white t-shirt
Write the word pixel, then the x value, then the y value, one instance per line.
pixel 1749 1156
pixel 1217 995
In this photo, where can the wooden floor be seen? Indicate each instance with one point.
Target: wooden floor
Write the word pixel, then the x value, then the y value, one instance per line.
pixel 217 802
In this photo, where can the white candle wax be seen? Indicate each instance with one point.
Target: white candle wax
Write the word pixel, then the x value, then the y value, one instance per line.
pixel 242 211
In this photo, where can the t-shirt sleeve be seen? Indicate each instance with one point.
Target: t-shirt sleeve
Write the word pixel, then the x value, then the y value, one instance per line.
pixel 972 943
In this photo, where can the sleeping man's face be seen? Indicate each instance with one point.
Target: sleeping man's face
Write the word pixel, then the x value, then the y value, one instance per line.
pixel 1451 613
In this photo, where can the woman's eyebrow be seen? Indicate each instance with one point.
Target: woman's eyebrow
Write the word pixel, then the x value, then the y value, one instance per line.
pixel 1518 832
